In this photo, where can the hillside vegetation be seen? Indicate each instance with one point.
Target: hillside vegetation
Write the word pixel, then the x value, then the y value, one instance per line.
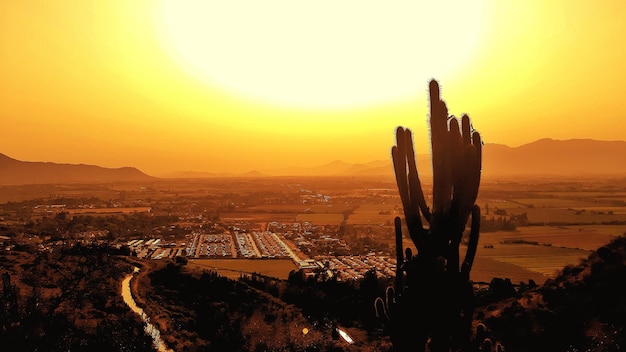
pixel 582 309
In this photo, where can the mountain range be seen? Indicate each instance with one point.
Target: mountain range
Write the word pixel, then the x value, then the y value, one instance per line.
pixel 15 172
pixel 544 157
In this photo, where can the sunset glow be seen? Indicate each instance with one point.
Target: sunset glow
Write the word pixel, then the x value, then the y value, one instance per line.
pixel 323 54
pixel 242 85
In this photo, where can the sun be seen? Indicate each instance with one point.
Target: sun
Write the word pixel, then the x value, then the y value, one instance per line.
pixel 323 53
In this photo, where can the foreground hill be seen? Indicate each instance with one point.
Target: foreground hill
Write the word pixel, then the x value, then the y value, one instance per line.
pixel 582 309
pixel 15 172
pixel 67 300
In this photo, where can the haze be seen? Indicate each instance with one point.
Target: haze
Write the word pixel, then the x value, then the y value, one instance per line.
pixel 118 83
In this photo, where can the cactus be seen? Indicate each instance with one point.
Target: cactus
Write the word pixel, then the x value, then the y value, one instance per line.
pixel 432 299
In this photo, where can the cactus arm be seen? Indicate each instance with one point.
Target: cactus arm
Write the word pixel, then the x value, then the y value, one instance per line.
pixel 442 187
pixel 415 186
pixel 411 210
pixel 472 244
pixel 399 165
pixel 465 123
pixel 380 309
pixel 466 170
pixel 399 283
pixel 477 145
pixel 458 167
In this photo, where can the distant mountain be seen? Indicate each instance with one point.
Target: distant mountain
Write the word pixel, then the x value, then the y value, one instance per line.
pixel 333 168
pixel 253 173
pixel 576 157
pixel 544 157
pixel 196 174
pixel 15 172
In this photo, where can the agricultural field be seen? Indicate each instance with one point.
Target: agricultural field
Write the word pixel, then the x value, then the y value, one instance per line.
pixel 531 252
pixel 374 214
pixel 611 230
pixel 109 210
pixel 320 219
pixel 537 252
pixel 562 216
pixel 496 204
pixel 329 208
pixel 551 202
pixel 279 208
pixel 256 217
pixel 232 268
pixel 486 268
pixel 585 237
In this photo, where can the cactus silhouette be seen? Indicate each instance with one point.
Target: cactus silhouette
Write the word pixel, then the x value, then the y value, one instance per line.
pixel 431 305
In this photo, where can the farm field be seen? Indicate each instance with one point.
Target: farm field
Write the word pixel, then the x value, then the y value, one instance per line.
pixel 486 268
pixel 545 260
pixel 232 268
pixel 554 215
pixel 257 216
pixel 329 208
pixel 374 214
pixel 611 230
pixel 551 202
pixel 109 210
pixel 279 208
pixel 573 237
pixel 321 219
pixel 556 247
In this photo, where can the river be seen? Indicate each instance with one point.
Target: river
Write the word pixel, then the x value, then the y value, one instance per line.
pixel 154 332
pixel 159 344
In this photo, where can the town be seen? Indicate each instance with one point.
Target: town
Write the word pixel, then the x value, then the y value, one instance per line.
pixel 263 258
pixel 318 230
pixel 337 227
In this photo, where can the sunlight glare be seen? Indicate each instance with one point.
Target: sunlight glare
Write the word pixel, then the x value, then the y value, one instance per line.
pixel 320 54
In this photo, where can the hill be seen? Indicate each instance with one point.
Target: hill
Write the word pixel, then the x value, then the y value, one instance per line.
pixel 16 172
pixel 556 157
pixel 544 157
pixel 582 309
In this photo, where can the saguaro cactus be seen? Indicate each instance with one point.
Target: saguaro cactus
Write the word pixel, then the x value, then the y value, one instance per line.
pixel 432 302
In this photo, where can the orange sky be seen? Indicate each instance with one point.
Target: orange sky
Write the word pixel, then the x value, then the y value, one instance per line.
pixel 165 87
